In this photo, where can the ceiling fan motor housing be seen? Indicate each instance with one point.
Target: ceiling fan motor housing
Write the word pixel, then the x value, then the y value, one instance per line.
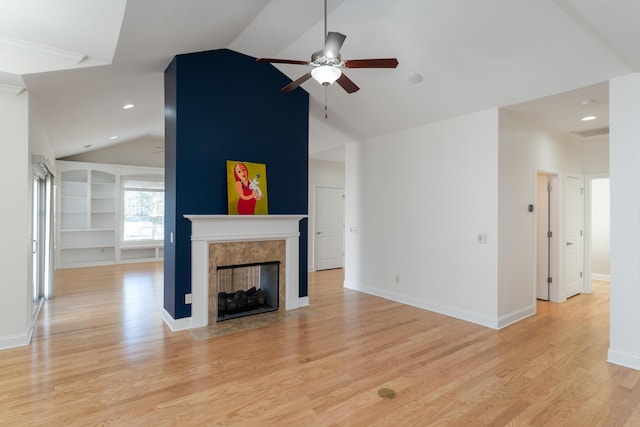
pixel 318 59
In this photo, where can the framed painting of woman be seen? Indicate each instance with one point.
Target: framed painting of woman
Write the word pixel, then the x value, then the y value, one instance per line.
pixel 247 188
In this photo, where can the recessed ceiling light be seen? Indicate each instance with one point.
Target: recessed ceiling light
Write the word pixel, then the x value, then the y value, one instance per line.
pixel 128 106
pixel 586 102
pixel 113 137
pixel 87 146
pixel 588 118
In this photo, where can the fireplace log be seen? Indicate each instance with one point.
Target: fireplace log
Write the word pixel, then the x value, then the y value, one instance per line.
pixel 240 297
pixel 241 300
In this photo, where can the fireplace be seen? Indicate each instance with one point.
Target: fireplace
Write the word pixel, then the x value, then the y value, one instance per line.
pixel 244 290
pixel 227 240
pixel 240 259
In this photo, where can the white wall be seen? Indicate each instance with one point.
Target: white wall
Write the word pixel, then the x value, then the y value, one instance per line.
pixel 596 168
pixel 322 173
pixel 524 148
pixel 324 135
pixel 595 155
pixel 15 188
pixel 38 140
pixel 353 216
pixel 624 144
pixel 22 136
pixel 416 202
pixel 145 151
pixel 600 225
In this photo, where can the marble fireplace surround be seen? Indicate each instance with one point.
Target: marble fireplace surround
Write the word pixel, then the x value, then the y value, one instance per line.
pixel 236 253
pixel 210 239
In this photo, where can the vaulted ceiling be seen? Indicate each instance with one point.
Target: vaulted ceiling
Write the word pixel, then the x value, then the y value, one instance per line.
pixel 81 61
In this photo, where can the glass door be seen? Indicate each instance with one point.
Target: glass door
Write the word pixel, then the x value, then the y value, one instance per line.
pixel 42 232
pixel 37 239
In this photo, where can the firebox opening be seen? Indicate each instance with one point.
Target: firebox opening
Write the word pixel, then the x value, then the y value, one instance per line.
pixel 247 289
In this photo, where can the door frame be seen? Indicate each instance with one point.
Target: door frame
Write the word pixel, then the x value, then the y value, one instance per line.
pixel 557 212
pixel 558 217
pixel 43 170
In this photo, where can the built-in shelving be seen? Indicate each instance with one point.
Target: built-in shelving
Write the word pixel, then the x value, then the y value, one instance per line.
pixel 89 217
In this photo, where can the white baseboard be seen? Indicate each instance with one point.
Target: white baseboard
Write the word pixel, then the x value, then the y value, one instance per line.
pixel 603 277
pixel 303 302
pixel 628 360
pixel 176 324
pixel 516 316
pixel 13 341
pixel 477 318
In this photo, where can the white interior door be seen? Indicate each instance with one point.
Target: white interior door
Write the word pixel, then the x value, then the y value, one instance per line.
pixel 574 238
pixel 329 219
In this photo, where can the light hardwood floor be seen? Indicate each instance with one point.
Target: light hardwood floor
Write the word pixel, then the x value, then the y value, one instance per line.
pixel 102 356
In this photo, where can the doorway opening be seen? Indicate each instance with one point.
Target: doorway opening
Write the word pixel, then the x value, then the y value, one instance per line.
pixel 597 225
pixel 560 236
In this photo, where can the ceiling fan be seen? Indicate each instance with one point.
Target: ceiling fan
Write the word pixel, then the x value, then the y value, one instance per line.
pixel 327 64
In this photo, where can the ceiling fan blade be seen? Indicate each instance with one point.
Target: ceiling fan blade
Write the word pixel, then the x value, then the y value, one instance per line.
pixel 294 84
pixel 332 44
pixel 347 84
pixel 282 61
pixel 371 63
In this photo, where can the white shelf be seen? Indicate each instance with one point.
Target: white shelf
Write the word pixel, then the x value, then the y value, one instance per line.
pixel 89 247
pixel 142 252
pixel 77 257
pixel 84 230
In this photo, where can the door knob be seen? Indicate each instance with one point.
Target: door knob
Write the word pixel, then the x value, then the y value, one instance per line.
pixel 319 232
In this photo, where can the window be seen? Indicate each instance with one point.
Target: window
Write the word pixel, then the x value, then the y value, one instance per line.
pixel 143 207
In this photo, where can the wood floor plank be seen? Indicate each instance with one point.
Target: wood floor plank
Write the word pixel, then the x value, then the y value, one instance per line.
pixel 101 355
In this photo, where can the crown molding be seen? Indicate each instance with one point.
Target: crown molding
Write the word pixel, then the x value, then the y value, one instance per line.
pixel 11 90
pixel 36 49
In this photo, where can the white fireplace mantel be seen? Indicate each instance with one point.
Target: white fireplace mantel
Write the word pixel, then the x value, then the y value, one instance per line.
pixel 207 229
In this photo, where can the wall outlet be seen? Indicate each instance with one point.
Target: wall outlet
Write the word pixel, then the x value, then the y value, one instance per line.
pixel 397 278
pixel 187 298
pixel 482 238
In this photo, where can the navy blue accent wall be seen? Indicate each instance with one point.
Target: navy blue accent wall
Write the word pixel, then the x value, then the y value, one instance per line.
pixel 221 105
pixel 170 186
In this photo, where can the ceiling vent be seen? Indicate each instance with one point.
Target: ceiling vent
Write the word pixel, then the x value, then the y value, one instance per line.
pixel 592 132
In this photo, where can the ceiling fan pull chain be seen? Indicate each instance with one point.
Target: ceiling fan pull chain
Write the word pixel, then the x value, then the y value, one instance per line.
pixel 325 103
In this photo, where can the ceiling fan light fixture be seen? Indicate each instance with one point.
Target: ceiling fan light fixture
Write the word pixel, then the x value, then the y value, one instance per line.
pixel 326 74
